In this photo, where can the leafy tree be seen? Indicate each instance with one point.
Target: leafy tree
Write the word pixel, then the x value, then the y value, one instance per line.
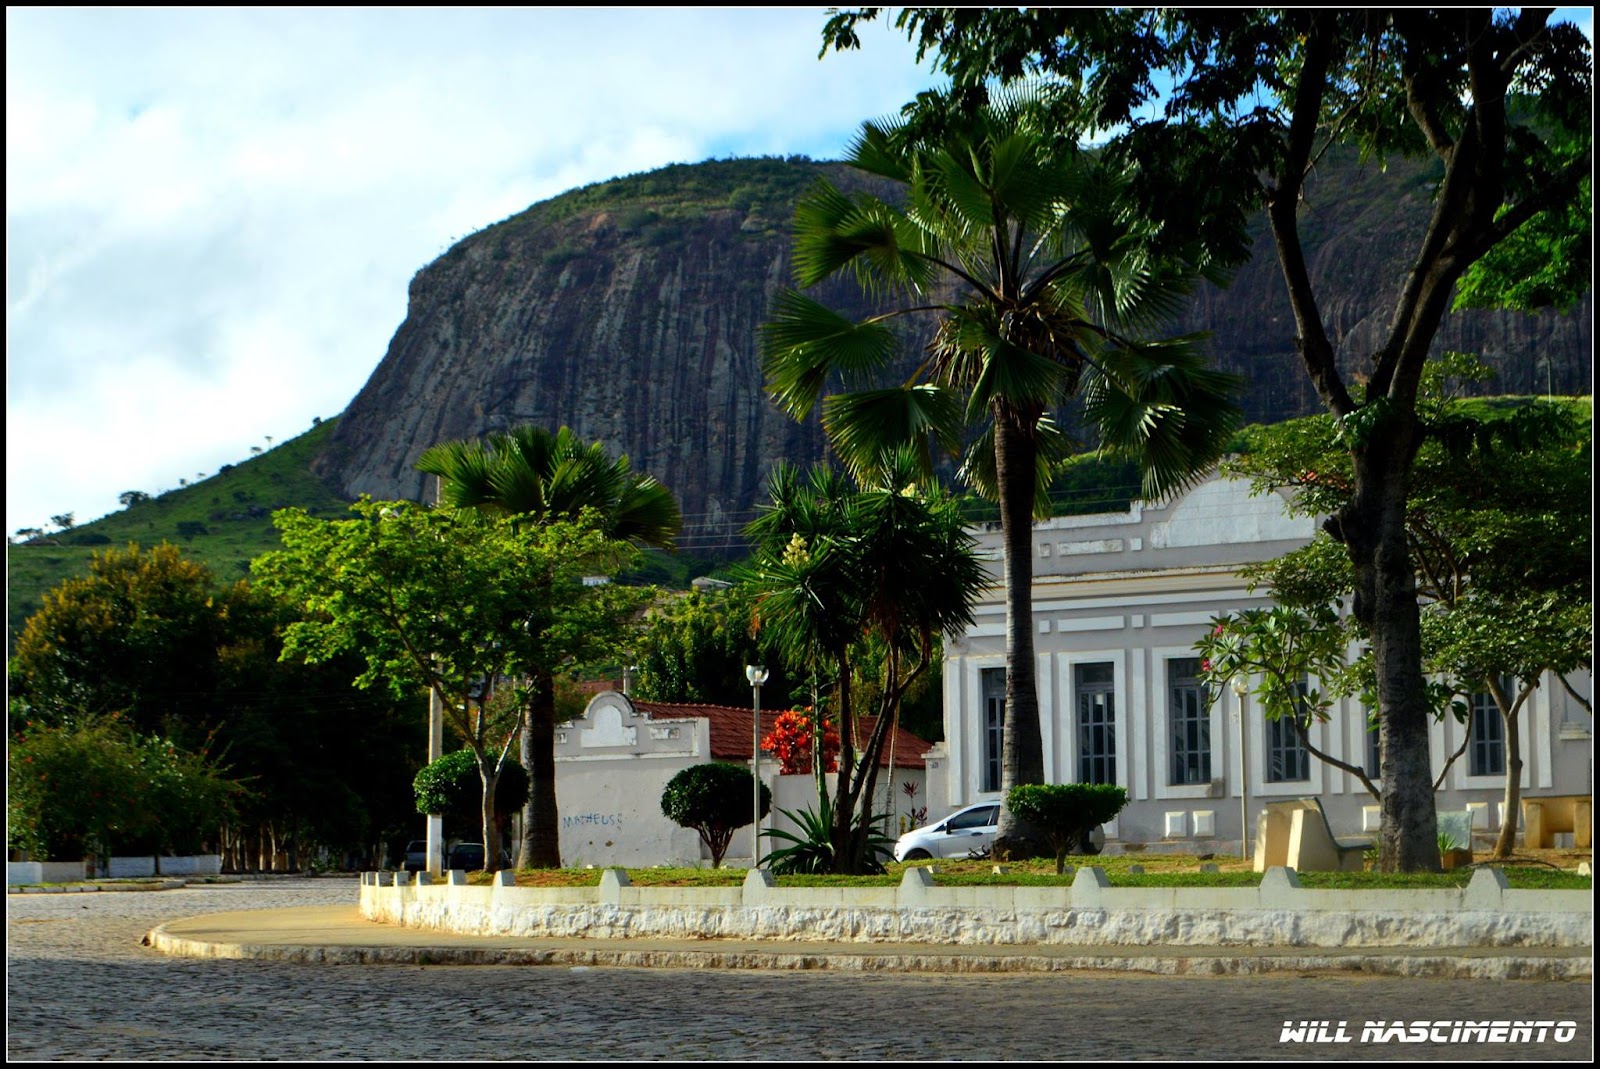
pixel 833 565
pixel 1283 646
pixel 449 787
pixel 714 799
pixel 1500 550
pixel 1042 283
pixel 1066 812
pixel 64 520
pixel 150 634
pixel 330 766
pixel 95 786
pixel 72 790
pixel 694 649
pixel 538 478
pixel 1499 99
pixel 138 635
pixel 130 498
pixel 439 599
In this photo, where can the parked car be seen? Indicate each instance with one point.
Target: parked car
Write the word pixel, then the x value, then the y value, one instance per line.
pixel 963 833
pixel 416 856
pixel 469 856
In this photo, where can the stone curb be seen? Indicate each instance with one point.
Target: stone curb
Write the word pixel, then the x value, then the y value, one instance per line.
pixel 1465 966
pixel 78 889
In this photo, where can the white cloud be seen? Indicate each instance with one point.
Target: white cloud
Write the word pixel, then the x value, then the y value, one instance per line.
pixel 212 215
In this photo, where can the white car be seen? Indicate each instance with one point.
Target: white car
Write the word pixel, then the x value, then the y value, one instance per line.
pixel 963 833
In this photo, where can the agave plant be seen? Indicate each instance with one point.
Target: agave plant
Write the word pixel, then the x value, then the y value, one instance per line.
pixel 812 849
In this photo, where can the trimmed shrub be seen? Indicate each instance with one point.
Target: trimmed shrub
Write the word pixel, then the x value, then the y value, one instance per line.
pixel 1066 812
pixel 713 799
pixel 452 787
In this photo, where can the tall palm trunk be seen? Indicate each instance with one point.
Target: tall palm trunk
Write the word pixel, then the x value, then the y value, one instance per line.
pixel 541 832
pixel 1022 752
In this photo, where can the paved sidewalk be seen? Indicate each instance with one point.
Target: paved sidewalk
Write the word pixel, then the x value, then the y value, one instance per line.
pixel 340 935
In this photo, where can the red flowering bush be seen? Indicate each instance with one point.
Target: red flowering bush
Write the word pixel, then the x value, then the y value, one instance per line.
pixel 790 741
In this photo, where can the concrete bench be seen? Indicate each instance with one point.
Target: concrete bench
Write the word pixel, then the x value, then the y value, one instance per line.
pixel 1296 834
pixel 1542 818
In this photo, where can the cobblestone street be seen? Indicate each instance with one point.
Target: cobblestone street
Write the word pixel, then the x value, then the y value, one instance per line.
pixel 80 986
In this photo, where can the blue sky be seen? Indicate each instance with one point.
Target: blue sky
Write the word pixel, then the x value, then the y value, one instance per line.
pixel 212 214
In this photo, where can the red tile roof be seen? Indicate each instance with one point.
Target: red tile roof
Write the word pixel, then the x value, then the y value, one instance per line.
pixel 730 731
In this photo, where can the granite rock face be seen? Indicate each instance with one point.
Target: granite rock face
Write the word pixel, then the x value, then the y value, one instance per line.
pixel 630 311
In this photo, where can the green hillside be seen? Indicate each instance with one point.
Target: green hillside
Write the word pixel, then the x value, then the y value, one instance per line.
pixel 225 521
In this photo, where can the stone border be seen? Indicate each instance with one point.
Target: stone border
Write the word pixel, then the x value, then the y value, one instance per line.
pixel 1279 913
pixel 84 888
pixel 1546 967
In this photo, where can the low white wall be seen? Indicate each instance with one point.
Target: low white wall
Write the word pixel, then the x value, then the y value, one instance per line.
pixel 1089 912
pixel 19 872
pixel 123 868
pixel 24 872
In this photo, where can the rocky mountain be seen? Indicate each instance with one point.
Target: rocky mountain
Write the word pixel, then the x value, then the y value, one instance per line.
pixel 630 310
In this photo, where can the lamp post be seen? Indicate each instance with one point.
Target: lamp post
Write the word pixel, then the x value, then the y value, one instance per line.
pixel 757 676
pixel 1239 691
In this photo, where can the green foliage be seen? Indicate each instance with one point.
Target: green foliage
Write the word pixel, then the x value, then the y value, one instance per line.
pixel 438 597
pixel 446 599
pixel 1065 812
pixel 1500 100
pixel 451 787
pixel 695 648
pixel 1499 536
pixel 714 799
pixel 812 851
pixel 538 477
pixel 97 786
pixel 845 578
pixel 139 635
pixel 147 634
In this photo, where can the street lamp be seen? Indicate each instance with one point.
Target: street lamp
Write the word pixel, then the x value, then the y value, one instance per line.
pixel 1240 688
pixel 757 676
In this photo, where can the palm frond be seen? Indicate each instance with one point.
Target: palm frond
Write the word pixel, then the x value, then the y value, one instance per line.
pixel 1159 404
pixel 804 342
pixel 879 149
pixel 864 425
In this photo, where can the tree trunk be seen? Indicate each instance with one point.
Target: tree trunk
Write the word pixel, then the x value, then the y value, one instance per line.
pixel 1022 751
pixel 1505 842
pixel 1372 528
pixel 490 775
pixel 844 800
pixel 541 830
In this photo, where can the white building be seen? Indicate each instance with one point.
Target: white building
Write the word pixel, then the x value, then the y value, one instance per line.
pixel 1118 602
pixel 613 762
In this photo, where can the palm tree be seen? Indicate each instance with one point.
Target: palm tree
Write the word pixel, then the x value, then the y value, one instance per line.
pixel 540 478
pixel 1043 284
pixel 836 569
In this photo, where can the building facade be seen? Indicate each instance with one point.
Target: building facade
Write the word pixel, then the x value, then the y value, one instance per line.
pixel 1119 601
pixel 614 761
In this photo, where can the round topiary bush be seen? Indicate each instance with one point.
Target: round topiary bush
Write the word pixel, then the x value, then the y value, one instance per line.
pixel 714 799
pixel 452 787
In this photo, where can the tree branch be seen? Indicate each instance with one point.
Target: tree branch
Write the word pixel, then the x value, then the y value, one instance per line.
pixel 1283 202
pixel 1303 730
